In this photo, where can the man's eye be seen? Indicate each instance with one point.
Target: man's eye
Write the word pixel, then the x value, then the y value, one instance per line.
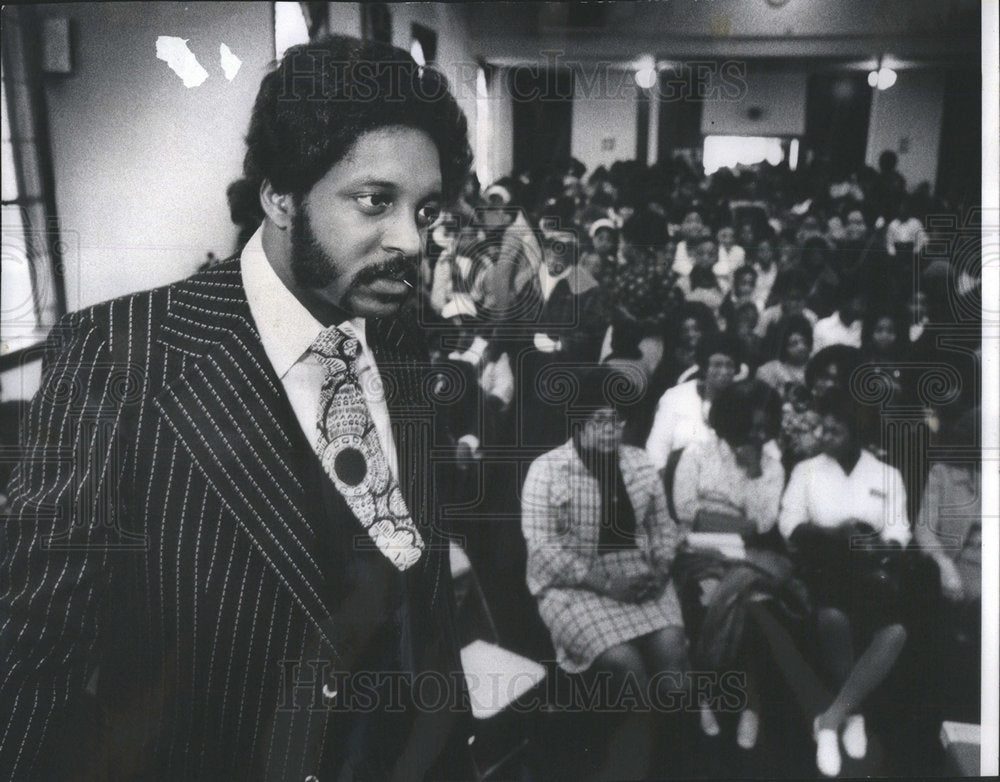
pixel 374 201
pixel 427 215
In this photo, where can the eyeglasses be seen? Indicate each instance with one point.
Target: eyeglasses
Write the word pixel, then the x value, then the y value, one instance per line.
pixel 608 419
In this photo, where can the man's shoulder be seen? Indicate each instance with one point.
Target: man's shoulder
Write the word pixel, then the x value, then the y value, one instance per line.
pixel 138 315
pixel 224 276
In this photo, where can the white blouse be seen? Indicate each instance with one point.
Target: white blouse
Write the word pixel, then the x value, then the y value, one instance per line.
pixel 681 418
pixel 820 492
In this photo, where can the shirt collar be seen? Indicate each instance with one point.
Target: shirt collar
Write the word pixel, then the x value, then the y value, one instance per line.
pixel 286 327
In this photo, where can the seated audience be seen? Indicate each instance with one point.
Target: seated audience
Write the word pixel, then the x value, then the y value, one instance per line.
pixel 521 303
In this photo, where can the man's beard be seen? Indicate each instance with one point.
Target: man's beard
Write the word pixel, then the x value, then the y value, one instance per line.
pixel 314 269
pixel 311 266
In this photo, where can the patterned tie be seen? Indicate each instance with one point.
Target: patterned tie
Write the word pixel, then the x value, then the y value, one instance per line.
pixel 352 455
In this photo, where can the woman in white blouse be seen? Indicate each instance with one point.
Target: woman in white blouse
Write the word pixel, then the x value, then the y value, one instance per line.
pixel 682 412
pixel 844 512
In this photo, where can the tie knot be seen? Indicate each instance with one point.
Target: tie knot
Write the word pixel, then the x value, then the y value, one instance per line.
pixel 334 345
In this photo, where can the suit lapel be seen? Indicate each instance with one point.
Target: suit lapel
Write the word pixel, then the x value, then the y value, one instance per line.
pixel 229 411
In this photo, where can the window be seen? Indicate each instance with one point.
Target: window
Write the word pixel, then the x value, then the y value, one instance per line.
pixel 32 293
pixel 290 27
pixel 731 151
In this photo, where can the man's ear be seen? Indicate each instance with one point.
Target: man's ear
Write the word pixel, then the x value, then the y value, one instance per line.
pixel 279 207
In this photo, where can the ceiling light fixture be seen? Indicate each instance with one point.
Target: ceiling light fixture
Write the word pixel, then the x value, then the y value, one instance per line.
pixel 883 77
pixel 645 74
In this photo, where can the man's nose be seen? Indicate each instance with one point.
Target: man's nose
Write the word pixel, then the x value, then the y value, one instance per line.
pixel 403 236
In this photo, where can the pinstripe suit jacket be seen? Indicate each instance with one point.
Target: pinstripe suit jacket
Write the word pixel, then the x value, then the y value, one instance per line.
pixel 161 569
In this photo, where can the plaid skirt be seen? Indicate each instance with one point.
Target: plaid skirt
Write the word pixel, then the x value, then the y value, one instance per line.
pixel 585 624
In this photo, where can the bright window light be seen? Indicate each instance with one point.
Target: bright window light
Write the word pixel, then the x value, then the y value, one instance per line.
pixel 731 151
pixel 793 154
pixel 483 129
pixel 290 27
pixel 417 53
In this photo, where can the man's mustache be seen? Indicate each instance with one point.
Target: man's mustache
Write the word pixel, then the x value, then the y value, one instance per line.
pixel 398 268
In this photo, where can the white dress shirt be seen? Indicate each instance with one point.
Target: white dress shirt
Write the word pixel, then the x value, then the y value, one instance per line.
pixel 820 492
pixel 287 330
pixel 681 419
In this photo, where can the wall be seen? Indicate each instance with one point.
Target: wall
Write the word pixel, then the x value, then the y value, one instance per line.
pixel 344 18
pixel 704 29
pixel 140 161
pixel 454 58
pixel 780 95
pixel 604 113
pixel 907 119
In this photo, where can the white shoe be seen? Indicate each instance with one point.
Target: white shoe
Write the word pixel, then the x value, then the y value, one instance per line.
pixel 746 730
pixel 827 751
pixel 709 725
pixel 854 737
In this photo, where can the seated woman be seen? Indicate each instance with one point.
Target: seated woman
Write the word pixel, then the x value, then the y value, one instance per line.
pixel 830 368
pixel 949 530
pixel 600 550
pixel 732 483
pixel 692 323
pixel 682 412
pixel 842 514
pixel 886 351
pixel 743 291
pixel 702 285
pixel 789 369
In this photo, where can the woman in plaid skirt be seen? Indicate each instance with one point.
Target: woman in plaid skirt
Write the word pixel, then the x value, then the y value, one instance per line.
pixel 600 549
